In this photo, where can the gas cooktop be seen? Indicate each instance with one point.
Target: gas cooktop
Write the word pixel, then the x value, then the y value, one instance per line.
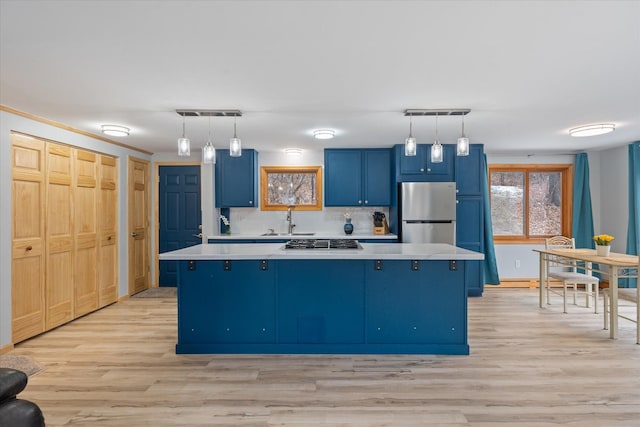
pixel 322 244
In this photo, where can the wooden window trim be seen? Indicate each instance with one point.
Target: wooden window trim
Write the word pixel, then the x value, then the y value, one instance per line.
pixel 567 198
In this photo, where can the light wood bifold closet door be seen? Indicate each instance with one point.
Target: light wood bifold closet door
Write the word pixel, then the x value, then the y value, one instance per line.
pixel 64 255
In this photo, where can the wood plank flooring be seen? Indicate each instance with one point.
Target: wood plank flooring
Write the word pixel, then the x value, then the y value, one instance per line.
pixel 528 367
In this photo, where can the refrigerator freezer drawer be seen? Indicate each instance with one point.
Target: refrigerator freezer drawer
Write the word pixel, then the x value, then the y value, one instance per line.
pixel 429 232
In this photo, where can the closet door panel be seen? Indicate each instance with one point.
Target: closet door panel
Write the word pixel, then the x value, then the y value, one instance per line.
pixel 60 242
pixel 86 233
pixel 27 234
pixel 108 254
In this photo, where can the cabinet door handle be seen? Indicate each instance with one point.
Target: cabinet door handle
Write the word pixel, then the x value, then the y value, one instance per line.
pixel 28 248
pixel 421 169
pixel 366 202
pixel 134 234
pixel 250 202
pixel 359 202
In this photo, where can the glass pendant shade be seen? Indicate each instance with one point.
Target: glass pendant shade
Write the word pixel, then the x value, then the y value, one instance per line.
pixel 235 147
pixel 462 149
pixel 410 146
pixel 184 146
pixel 209 154
pixel 436 152
pixel 436 148
pixel 463 146
pixel 410 143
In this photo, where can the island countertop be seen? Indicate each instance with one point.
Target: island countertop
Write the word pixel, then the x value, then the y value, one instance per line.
pixel 302 235
pixel 397 251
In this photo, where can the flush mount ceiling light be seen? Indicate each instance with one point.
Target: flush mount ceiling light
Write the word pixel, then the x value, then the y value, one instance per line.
pixel 294 152
pixel 410 147
pixel 115 130
pixel 324 133
pixel 592 130
pixel 184 144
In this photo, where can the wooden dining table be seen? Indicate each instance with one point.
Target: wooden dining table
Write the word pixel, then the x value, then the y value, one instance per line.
pixel 615 266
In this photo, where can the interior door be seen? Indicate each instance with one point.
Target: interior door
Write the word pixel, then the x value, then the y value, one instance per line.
pixel 138 198
pixel 179 214
pixel 28 228
pixel 86 232
pixel 107 273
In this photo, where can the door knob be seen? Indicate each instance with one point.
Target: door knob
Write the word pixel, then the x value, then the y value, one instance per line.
pixel 134 234
pixel 199 235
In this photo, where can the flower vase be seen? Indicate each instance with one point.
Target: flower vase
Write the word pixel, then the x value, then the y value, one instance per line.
pixel 348 227
pixel 603 250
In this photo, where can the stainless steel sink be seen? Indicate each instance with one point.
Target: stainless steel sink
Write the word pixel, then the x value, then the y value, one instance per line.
pixel 287 234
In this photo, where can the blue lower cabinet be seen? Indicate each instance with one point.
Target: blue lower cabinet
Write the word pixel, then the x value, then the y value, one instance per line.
pixel 222 302
pixel 416 306
pixel 320 301
pixel 322 306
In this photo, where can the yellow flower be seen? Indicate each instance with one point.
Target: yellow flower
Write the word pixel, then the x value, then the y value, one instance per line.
pixel 603 239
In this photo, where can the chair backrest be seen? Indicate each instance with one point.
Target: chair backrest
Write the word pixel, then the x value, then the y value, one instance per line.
pixel 560 242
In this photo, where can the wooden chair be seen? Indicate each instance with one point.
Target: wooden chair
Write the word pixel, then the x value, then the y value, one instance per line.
pixel 569 275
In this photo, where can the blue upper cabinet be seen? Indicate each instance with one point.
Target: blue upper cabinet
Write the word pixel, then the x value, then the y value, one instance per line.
pixel 236 179
pixel 357 177
pixel 469 171
pixel 419 168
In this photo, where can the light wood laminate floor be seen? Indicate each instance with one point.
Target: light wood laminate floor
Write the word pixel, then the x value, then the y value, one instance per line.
pixel 528 367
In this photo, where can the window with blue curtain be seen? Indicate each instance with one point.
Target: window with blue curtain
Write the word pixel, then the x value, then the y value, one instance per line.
pixel 633 237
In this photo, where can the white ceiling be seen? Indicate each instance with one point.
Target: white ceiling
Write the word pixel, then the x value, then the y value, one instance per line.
pixel 528 70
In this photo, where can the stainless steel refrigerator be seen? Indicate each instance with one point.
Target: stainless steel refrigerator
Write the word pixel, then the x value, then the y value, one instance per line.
pixel 427 212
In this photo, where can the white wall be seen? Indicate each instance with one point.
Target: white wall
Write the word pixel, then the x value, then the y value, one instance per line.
pixel 11 122
pixel 612 205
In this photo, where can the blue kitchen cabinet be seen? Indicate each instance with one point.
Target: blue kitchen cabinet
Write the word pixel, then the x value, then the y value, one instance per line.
pixel 429 313
pixel 234 305
pixel 324 307
pixel 357 177
pixel 469 171
pixel 470 235
pixel 236 179
pixel 420 168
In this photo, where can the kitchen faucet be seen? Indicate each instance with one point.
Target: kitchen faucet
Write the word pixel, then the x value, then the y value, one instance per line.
pixel 290 218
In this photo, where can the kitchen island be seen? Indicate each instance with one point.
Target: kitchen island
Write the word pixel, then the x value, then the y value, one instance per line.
pixel 381 298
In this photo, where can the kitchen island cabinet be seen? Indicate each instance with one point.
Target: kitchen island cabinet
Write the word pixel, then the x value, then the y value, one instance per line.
pixel 383 298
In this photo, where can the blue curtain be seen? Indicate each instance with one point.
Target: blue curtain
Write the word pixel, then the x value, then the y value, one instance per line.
pixel 634 207
pixel 490 266
pixel 582 221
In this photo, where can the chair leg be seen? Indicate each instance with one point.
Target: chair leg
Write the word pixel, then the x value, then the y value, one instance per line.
pixel 564 297
pixel 575 293
pixel 588 294
pixel 595 297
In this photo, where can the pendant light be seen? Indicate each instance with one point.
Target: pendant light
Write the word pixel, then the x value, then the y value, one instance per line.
pixel 235 145
pixel 436 148
pixel 462 149
pixel 410 143
pixel 208 151
pixel 184 145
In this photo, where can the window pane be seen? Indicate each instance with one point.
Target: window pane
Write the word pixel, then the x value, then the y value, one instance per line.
pixel 507 203
pixel 545 203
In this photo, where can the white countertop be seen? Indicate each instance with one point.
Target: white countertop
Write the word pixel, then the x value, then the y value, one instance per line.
pixel 321 235
pixel 238 251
